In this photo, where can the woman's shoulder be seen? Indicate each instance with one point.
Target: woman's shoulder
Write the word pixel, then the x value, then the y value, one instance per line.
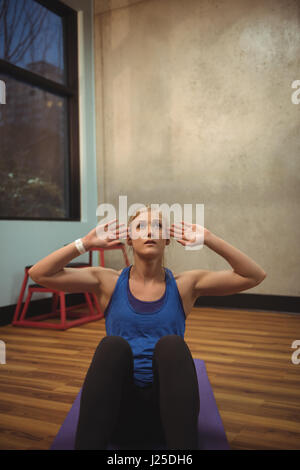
pixel 108 278
pixel 182 275
pixel 185 278
pixel 108 275
pixel 185 281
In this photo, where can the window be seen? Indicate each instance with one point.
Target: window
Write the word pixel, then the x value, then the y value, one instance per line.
pixel 39 125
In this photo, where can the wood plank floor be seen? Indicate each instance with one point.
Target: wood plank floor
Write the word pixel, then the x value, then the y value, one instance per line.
pixel 247 356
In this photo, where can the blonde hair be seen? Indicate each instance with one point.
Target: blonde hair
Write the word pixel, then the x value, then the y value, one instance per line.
pixel 132 217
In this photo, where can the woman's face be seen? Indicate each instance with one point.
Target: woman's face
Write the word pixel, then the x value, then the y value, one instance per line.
pixel 143 229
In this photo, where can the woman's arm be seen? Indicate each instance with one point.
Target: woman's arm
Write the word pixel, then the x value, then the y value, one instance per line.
pixel 241 263
pixel 56 261
pixel 51 271
pixel 245 274
pixel 102 236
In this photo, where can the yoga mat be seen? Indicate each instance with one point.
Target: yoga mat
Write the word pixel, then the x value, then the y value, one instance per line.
pixel 211 433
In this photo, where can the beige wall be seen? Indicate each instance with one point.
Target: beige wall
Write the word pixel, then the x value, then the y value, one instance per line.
pixel 194 106
pixel 102 6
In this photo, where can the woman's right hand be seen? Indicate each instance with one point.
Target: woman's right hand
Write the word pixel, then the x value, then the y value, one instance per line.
pixel 104 235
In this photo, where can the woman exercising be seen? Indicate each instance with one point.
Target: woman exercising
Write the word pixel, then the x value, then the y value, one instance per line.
pixel 141 386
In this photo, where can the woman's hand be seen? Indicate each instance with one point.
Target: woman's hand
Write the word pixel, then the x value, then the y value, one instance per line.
pixel 189 234
pixel 105 235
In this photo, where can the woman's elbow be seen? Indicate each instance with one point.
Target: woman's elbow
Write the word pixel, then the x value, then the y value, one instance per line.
pixel 263 277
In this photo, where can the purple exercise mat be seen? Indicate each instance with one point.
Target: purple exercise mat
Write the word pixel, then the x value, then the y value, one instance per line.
pixel 211 432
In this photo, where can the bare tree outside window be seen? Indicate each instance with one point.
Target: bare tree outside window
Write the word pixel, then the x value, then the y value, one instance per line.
pixel 31 34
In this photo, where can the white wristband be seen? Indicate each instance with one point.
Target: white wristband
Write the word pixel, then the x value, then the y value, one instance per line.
pixel 80 246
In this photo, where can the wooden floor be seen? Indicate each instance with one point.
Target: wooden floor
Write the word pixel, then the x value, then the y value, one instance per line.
pixel 247 356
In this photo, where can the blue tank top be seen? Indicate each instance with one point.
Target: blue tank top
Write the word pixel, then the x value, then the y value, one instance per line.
pixel 142 323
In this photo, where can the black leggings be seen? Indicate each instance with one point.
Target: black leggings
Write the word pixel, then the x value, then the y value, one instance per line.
pixel 114 409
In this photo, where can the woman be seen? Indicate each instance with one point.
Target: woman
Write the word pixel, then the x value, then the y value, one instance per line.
pixel 141 386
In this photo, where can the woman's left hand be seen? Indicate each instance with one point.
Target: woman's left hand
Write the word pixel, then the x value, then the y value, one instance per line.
pixel 189 234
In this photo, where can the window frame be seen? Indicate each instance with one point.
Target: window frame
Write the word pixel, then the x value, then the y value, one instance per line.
pixel 70 91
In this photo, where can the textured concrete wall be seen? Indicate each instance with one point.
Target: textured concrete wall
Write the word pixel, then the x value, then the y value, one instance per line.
pixel 102 6
pixel 194 106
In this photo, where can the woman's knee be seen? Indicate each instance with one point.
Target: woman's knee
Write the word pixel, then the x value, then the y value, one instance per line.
pixel 170 343
pixel 172 358
pixel 114 341
pixel 114 347
pixel 170 347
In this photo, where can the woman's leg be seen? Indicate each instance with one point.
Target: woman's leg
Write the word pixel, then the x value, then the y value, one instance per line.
pixel 175 381
pixel 139 424
pixel 108 378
